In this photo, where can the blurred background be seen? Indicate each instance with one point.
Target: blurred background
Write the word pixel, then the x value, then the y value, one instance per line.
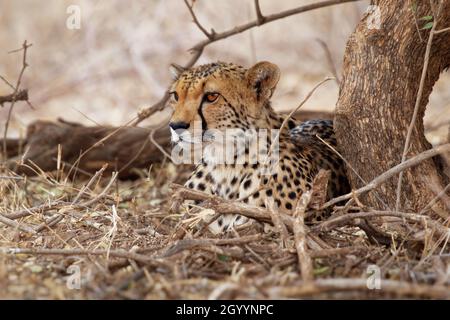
pixel 117 62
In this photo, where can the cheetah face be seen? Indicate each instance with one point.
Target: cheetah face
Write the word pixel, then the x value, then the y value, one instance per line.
pixel 218 97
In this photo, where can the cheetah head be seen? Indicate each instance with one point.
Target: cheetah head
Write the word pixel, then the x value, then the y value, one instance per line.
pixel 219 96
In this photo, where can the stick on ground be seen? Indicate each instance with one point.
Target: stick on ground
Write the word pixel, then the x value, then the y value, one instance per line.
pixel 304 259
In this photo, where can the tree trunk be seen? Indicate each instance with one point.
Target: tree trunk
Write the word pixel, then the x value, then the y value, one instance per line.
pixel 381 76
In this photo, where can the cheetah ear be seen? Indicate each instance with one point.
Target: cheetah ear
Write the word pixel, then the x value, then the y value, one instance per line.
pixel 263 78
pixel 176 70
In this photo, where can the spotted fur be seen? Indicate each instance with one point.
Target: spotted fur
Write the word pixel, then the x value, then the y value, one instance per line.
pixel 243 102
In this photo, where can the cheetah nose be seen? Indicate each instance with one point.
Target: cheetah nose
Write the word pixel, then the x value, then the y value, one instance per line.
pixel 179 125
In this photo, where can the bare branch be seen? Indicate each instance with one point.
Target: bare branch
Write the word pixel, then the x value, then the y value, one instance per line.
pixel 304 259
pixel 199 47
pixel 330 61
pixel 277 222
pixel 259 15
pixel 9 84
pixel 211 244
pixel 101 194
pixel 349 166
pixel 283 124
pixel 194 17
pixel 346 218
pixel 88 185
pixel 401 288
pixel 15 224
pixel 10 178
pixel 78 252
pixel 40 208
pixel 442 30
pixel 433 201
pixel 25 47
pixel 391 172
pixel 223 206
pixel 21 95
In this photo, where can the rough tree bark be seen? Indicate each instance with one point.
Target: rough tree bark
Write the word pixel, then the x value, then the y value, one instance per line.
pixel 381 75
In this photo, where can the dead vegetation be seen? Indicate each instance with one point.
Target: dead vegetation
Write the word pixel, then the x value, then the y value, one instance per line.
pixel 75 230
pixel 136 240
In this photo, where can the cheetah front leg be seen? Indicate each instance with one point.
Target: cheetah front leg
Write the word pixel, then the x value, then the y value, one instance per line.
pixel 202 180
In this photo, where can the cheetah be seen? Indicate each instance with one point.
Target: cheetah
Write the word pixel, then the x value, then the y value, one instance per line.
pixel 224 96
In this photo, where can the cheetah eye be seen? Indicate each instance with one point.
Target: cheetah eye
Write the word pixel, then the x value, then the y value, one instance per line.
pixel 174 95
pixel 211 96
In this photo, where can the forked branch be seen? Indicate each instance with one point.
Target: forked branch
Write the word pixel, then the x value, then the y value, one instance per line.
pixel 197 49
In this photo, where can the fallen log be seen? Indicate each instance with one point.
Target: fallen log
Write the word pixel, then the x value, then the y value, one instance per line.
pixel 88 149
pixel 14 147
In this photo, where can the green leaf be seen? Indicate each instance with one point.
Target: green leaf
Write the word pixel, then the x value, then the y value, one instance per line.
pixel 414 7
pixel 223 257
pixel 429 25
pixel 321 270
pixel 426 18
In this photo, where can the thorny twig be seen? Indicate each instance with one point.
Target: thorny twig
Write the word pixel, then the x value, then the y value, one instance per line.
pixel 25 47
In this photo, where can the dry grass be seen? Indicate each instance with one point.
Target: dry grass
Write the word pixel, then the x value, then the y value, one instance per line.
pixel 128 244
pixel 126 237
